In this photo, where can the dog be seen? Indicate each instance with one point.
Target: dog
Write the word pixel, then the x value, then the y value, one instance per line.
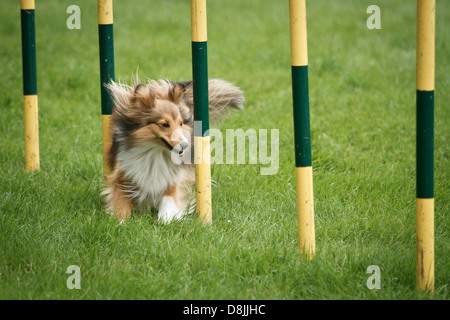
pixel 149 123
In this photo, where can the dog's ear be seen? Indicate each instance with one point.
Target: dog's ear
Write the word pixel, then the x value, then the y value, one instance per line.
pixel 176 93
pixel 184 84
pixel 144 96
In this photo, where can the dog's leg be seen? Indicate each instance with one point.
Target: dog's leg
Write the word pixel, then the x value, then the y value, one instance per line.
pixel 120 204
pixel 168 209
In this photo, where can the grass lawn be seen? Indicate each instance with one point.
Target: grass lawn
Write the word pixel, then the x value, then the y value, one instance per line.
pixel 362 100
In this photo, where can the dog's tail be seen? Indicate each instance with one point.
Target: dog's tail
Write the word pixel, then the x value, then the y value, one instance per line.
pixel 223 96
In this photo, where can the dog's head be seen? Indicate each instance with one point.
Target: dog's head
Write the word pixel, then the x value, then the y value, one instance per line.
pixel 153 113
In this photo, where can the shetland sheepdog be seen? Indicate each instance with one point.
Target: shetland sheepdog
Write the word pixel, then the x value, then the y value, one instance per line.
pixel 149 122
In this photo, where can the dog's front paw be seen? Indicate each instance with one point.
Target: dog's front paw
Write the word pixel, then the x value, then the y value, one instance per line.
pixel 168 211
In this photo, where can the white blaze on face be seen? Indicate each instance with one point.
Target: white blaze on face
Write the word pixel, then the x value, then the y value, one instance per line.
pixel 178 135
pixel 181 153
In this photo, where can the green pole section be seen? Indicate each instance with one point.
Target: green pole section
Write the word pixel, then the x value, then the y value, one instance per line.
pixel 425 144
pixel 302 135
pixel 106 44
pixel 200 84
pixel 28 52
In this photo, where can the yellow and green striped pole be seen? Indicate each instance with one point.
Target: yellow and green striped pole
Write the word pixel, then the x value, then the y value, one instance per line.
pixel 425 145
pixel 106 44
pixel 303 163
pixel 30 97
pixel 201 111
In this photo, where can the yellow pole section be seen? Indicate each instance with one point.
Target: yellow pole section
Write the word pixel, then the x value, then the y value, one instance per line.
pixel 305 211
pixel 425 44
pixel 105 11
pixel 425 244
pixel 297 19
pixel 27 5
pixel 198 20
pixel 202 160
pixel 30 103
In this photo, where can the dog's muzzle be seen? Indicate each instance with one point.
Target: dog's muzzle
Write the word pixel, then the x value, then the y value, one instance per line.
pixel 182 147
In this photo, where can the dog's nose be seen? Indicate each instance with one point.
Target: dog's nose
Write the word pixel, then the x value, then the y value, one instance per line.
pixel 184 145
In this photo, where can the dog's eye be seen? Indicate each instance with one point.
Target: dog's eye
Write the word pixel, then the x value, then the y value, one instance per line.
pixel 166 125
pixel 181 123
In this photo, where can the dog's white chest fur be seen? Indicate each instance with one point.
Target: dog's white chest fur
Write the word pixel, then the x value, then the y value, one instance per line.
pixel 150 168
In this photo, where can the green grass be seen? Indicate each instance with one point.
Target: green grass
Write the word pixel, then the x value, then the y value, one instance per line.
pixel 362 97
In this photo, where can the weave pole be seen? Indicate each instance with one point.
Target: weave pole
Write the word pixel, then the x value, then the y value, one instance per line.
pixel 425 145
pixel 303 163
pixel 106 45
pixel 202 156
pixel 30 96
